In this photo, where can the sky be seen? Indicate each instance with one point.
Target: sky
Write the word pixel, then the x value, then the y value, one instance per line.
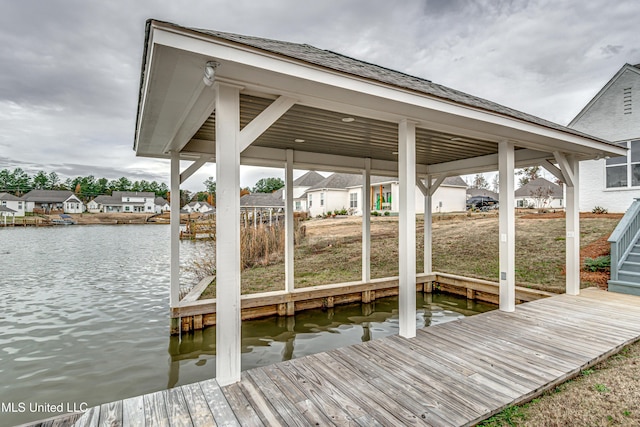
pixel 70 69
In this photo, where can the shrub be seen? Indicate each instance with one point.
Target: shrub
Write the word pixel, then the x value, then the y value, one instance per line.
pixel 599 210
pixel 601 263
pixel 387 213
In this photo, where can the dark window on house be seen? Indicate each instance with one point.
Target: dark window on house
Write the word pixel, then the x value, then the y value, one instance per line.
pixel 624 171
pixel 321 199
pixel 310 200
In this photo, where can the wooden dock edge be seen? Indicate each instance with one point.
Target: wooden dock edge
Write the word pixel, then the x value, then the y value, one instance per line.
pixel 193 314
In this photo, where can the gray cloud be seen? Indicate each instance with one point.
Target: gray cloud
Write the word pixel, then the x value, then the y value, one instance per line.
pixel 71 68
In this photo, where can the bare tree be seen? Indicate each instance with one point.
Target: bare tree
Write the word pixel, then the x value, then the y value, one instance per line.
pixel 541 196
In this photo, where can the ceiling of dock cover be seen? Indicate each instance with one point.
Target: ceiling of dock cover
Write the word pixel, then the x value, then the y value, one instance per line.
pixel 344 108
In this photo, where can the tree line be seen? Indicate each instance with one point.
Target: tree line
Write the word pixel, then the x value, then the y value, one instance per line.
pixel 19 182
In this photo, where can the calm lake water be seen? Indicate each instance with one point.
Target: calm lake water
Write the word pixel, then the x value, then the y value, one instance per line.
pixel 84 318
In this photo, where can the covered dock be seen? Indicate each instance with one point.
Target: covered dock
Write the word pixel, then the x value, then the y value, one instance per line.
pixel 208 96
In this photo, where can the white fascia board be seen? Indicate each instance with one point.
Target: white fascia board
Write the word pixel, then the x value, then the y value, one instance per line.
pixel 247 56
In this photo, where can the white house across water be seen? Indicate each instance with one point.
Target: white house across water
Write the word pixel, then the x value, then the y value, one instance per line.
pixel 209 96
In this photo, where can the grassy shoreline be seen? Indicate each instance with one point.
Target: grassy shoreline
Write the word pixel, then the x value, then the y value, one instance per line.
pixel 331 251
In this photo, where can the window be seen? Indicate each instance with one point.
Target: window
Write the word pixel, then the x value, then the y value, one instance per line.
pixel 321 199
pixel 353 200
pixel 310 200
pixel 126 208
pixel 298 205
pixel 624 171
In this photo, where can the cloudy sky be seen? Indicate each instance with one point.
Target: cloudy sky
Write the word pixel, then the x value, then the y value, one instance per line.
pixel 70 69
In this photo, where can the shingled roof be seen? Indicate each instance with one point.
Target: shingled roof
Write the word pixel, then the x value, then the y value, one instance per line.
pixel 348 65
pixel 533 187
pixel 48 196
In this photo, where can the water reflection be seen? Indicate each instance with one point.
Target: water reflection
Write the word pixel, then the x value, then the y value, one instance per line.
pixel 276 339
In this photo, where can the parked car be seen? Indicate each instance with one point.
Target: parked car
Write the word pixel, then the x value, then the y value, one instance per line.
pixel 483 203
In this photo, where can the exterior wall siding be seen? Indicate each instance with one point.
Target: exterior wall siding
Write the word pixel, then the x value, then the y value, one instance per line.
pixel 606 119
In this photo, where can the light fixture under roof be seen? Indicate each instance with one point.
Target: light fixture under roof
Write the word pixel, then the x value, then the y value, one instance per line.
pixel 395 153
pixel 348 119
pixel 456 139
pixel 298 140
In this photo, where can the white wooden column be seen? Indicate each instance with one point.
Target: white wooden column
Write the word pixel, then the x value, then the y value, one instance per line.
pixel 570 170
pixel 366 221
pixel 174 217
pixel 288 224
pixel 507 228
pixel 407 228
pixel 228 286
pixel 428 227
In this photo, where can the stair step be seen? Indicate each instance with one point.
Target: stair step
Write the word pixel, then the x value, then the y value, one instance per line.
pixel 630 266
pixel 633 257
pixel 629 276
pixel 624 287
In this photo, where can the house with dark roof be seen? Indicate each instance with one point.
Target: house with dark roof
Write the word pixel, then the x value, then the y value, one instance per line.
pixel 344 191
pixel 11 205
pixel 613 114
pixel 276 199
pixel 161 205
pixel 540 193
pixel 481 192
pixel 52 201
pixel 124 201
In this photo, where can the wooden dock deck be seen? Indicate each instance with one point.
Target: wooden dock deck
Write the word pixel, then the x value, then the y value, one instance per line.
pixel 453 374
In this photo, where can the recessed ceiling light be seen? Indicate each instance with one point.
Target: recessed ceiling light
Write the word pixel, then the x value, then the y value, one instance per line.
pixel 348 119
pixel 298 140
pixel 395 152
pixel 456 139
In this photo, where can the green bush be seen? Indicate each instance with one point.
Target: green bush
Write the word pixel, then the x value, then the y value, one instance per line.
pixel 601 263
pixel 599 210
pixel 387 213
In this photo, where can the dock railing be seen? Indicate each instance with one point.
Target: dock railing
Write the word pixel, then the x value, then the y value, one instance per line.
pixel 624 236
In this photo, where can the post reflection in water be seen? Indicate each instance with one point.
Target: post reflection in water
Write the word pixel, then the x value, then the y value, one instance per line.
pixel 275 339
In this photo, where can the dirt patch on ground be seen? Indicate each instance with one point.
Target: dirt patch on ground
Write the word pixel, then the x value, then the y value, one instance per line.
pixel 559 214
pixel 600 247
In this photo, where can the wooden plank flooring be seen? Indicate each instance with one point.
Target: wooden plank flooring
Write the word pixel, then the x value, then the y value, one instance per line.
pixel 452 374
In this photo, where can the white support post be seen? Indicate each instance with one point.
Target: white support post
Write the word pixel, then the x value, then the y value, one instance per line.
pixel 407 228
pixel 428 228
pixel 174 217
pixel 288 224
pixel 573 230
pixel 228 285
pixel 507 228
pixel 366 221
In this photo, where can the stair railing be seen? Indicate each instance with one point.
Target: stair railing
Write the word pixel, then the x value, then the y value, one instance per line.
pixel 624 236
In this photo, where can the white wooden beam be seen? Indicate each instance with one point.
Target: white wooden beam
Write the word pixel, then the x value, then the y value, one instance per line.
pixel 366 221
pixel 565 167
pixel 228 284
pixel 198 109
pixel 572 227
pixel 507 227
pixel 407 228
pixel 193 168
pixel 174 219
pixel 435 185
pixel 289 248
pixel 523 157
pixel 423 189
pixel 553 170
pixel 264 120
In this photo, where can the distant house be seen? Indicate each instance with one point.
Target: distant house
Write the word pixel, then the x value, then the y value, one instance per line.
pixel 344 191
pixel 540 194
pixel 198 207
pixel 277 198
pixel 124 201
pixel 52 201
pixel 161 205
pixel 612 115
pixel 13 205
